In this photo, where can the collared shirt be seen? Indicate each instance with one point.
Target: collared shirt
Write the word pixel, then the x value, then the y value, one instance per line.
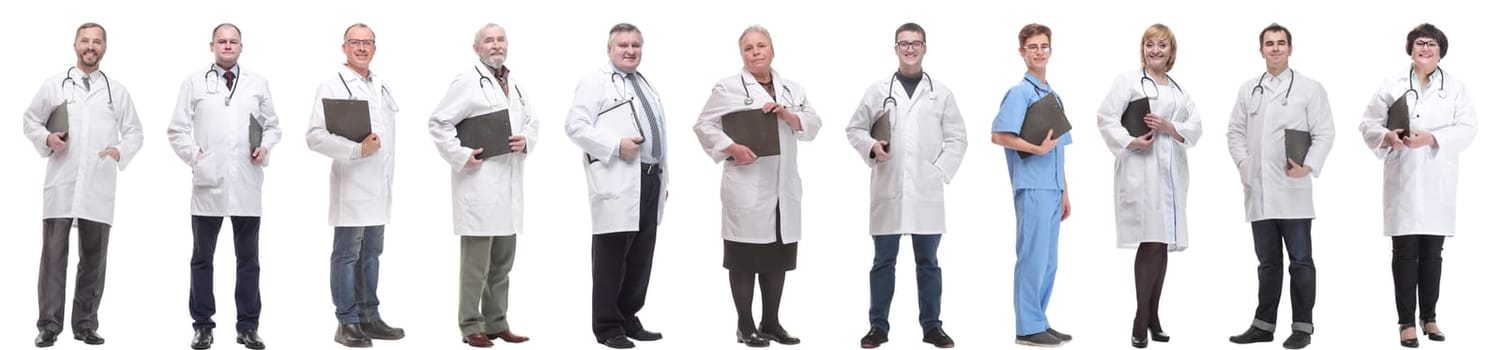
pixel 641 119
pixel 1045 171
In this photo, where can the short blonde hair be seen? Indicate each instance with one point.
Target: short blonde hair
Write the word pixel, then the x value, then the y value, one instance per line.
pixel 1160 31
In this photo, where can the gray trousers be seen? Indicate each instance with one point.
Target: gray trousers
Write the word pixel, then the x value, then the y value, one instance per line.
pixel 485 283
pixel 52 279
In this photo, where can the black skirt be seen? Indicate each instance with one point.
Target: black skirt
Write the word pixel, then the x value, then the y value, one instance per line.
pixel 761 258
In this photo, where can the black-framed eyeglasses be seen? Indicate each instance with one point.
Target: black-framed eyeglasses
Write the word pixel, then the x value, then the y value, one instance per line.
pixel 917 44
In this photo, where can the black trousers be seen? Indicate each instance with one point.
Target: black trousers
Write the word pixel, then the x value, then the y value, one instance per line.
pixel 52 279
pixel 1270 237
pixel 1417 262
pixel 201 305
pixel 622 267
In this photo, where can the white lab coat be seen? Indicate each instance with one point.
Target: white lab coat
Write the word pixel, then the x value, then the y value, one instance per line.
pixel 1151 186
pixel 487 201
pixel 927 143
pixel 1257 143
pixel 751 193
pixel 80 183
pixel 614 183
pixel 214 139
pixel 359 187
pixel 1421 185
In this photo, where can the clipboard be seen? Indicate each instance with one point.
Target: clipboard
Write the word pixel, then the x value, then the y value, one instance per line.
pixel 612 122
pixel 1134 119
pixel 347 118
pixel 754 129
pixel 256 131
pixel 1297 142
pixel 881 129
pixel 57 121
pixel 490 131
pixel 1397 117
pixel 1043 115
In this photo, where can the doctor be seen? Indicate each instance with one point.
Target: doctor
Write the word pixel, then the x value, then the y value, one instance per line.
pixel 762 198
pixel 487 198
pixel 1422 173
pixel 1278 191
pixel 906 186
pixel 359 191
pixel 210 131
pixel 82 164
pixel 627 177
pixel 1151 171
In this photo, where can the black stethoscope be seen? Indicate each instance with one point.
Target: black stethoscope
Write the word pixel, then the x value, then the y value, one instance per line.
pixel 68 77
pixel 484 79
pixel 1412 89
pixel 1038 90
pixel 890 86
pixel 207 79
pixel 1261 89
pixel 748 100
pixel 383 88
pixel 617 79
pixel 1155 91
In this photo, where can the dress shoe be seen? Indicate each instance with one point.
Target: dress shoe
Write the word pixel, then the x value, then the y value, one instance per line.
pixel 250 339
pixel 1060 335
pixel 478 340
pixel 1158 335
pixel 202 338
pixel 45 338
pixel 1409 342
pixel 644 335
pixel 873 339
pixel 508 337
pixel 938 337
pixel 752 339
pixel 351 335
pixel 779 335
pixel 1040 339
pixel 380 330
pixel 1139 343
pixel 1252 335
pixel 88 336
pixel 1298 340
pixel 618 342
pixel 1435 335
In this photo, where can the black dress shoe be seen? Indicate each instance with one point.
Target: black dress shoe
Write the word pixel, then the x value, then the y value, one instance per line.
pixel 779 335
pixel 1435 336
pixel 45 338
pixel 873 339
pixel 250 339
pixel 644 335
pixel 1411 342
pixel 1298 340
pixel 88 336
pixel 202 338
pixel 1139 343
pixel 753 339
pixel 1060 335
pixel 618 342
pixel 1252 335
pixel 380 330
pixel 1159 336
pixel 351 335
pixel 938 337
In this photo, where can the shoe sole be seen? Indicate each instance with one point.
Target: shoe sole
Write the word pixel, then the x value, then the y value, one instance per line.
pixel 357 345
pixel 1041 345
pixel 247 346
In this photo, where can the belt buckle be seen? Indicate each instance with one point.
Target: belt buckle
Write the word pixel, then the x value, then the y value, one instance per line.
pixel 652 169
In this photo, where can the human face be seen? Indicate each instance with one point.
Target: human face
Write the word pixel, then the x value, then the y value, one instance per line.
pixel 1275 48
pixel 1425 54
pixel 910 49
pixel 89 46
pixel 359 47
pixel 1036 52
pixel 625 51
pixel 226 46
pixel 1157 52
pixel 756 52
pixel 491 47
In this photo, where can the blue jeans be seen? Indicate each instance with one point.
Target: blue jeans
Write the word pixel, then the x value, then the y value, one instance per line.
pixel 883 279
pixel 354 270
pixel 1270 236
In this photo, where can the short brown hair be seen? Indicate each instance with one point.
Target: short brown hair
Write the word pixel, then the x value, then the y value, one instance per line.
pixel 912 27
pixel 1032 30
pixel 104 34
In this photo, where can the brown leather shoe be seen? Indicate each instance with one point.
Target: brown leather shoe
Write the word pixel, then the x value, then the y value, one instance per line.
pixel 509 337
pixel 478 340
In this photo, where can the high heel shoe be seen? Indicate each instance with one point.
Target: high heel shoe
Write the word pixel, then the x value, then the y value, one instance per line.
pixel 752 340
pixel 1434 336
pixel 1159 336
pixel 1139 343
pixel 1408 342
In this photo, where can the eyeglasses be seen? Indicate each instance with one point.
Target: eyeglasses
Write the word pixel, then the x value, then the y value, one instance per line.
pixel 358 42
pixel 1036 47
pixel 905 45
pixel 1425 43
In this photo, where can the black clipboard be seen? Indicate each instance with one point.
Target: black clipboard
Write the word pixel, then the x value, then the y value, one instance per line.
pixel 1043 115
pixel 881 130
pixel 57 121
pixel 347 118
pixel 754 129
pixel 256 132
pixel 1297 143
pixel 490 131
pixel 1397 117
pixel 1134 119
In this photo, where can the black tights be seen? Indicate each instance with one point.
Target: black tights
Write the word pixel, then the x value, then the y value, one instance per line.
pixel 742 289
pixel 1151 268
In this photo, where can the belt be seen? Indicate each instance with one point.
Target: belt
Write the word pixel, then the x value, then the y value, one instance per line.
pixel 651 168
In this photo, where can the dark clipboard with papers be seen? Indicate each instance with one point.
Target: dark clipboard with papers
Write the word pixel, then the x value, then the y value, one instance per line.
pixel 754 129
pixel 1043 115
pixel 256 132
pixel 881 130
pixel 489 131
pixel 57 121
pixel 1297 142
pixel 612 121
pixel 1397 116
pixel 347 118
pixel 1134 118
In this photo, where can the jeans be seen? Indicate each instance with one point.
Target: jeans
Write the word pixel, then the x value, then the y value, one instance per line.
pixel 883 279
pixel 354 270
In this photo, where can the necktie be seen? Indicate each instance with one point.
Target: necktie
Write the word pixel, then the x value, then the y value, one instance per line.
pixel 229 80
pixel 86 83
pixel 651 118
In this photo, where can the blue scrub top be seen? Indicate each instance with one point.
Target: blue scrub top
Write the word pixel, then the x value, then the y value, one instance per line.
pixel 1043 172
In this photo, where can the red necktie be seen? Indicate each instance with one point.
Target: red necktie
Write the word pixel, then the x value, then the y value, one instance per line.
pixel 229 80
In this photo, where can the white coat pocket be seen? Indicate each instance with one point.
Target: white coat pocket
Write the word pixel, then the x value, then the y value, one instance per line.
pixel 207 172
pixel 600 185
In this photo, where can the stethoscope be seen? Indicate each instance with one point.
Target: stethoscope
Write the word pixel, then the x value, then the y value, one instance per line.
pixel 68 77
pixel 1155 91
pixel 484 79
pixel 1038 90
pixel 617 79
pixel 1292 76
pixel 748 100
pixel 383 90
pixel 890 86
pixel 1442 93
pixel 208 79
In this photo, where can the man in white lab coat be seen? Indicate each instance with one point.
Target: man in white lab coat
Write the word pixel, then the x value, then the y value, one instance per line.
pixel 359 190
pixel 617 120
pixel 487 192
pixel 98 137
pixel 926 145
pixel 1278 188
pixel 220 113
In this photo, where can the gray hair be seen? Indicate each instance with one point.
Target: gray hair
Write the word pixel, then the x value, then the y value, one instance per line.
pixel 756 28
pixel 479 35
pixel 357 25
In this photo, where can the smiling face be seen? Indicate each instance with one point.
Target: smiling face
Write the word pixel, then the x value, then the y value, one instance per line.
pixel 1036 51
pixel 226 46
pixel 89 47
pixel 491 46
pixel 359 47
pixel 1426 53
pixel 1157 53
pixel 756 52
pixel 625 50
pixel 1276 48
pixel 911 46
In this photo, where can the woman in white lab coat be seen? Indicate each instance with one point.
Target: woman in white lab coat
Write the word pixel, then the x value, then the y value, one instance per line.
pixel 1421 173
pixel 1151 171
pixel 762 197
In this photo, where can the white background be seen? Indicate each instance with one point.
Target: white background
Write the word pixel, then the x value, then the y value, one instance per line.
pixel 833 50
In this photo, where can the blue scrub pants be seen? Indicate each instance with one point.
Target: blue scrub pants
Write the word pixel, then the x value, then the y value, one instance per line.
pixel 1038 213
